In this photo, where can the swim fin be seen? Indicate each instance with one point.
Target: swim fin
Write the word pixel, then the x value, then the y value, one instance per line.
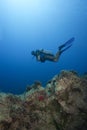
pixel 61 51
pixel 67 43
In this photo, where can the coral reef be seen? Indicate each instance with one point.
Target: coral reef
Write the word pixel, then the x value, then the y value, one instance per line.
pixel 61 105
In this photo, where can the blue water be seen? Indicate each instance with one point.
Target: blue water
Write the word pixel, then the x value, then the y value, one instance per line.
pixel 27 25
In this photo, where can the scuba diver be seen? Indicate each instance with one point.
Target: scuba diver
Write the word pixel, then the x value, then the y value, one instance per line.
pixel 42 55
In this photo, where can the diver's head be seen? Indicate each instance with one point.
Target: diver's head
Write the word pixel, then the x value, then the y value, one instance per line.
pixel 33 53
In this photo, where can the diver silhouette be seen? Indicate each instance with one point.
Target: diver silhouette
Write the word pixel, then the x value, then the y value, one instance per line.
pixel 42 55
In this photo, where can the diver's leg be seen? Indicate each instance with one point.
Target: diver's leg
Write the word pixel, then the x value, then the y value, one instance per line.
pixel 67 43
pixel 60 52
pixel 57 55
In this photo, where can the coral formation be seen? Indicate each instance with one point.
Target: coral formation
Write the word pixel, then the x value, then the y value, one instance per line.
pixel 61 105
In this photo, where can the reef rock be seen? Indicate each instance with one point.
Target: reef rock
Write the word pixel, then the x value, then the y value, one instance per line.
pixel 61 105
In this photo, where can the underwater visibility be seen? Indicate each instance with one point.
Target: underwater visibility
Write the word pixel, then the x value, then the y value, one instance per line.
pixel 43 66
pixel 28 26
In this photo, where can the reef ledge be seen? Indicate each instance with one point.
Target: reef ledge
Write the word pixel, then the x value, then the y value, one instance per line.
pixel 61 105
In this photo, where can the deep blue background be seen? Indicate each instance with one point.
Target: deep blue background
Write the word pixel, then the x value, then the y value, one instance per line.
pixel 27 25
